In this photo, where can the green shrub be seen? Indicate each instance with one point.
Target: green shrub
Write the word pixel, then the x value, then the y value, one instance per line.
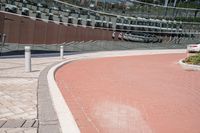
pixel 195 59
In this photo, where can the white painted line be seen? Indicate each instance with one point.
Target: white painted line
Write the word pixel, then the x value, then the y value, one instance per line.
pixel 65 117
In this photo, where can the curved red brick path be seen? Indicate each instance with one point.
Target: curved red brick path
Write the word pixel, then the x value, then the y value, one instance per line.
pixel 137 94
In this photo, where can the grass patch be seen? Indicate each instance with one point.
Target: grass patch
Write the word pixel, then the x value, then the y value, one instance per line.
pixel 195 59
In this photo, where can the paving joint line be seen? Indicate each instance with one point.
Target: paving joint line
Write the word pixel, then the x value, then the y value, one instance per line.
pixel 18 123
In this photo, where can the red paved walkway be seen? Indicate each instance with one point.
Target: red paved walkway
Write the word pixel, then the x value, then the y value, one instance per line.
pixel 138 94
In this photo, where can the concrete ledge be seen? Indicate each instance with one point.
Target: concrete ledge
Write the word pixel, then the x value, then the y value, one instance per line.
pixel 189 67
pixel 65 117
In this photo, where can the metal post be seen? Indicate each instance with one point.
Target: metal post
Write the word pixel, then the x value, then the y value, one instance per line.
pixel 27 59
pixel 174 3
pixel 61 52
pixel 166 3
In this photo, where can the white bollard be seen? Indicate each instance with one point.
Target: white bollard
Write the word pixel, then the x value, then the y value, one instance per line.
pixel 61 52
pixel 27 59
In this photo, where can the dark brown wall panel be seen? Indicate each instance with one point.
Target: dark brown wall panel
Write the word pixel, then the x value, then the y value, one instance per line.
pixel 83 32
pixel 12 28
pixel 95 32
pixel 107 35
pixel 110 35
pixel 40 32
pixel 103 34
pixel 2 16
pixel 92 34
pixel 66 34
pixel 27 27
pixel 88 35
pixel 52 33
pixel 27 31
pixel 73 35
pixel 79 34
pixel 71 31
pixel 99 34
pixel 61 33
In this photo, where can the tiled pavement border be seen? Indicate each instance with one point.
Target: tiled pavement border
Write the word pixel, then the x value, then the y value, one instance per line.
pixel 48 121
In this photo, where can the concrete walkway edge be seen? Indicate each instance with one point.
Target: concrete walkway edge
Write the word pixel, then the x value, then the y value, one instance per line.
pixel 48 120
pixel 189 66
pixel 65 117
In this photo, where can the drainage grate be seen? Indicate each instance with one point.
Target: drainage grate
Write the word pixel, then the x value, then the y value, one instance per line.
pixel 18 123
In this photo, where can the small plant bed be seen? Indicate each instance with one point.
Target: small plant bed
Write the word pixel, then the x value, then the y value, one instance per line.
pixel 194 59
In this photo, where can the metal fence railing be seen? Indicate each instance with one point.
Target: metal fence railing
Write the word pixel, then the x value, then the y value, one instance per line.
pixel 90 46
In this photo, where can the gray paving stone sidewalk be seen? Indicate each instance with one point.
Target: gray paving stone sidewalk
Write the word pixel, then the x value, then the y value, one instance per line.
pixel 18 130
pixel 18 94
